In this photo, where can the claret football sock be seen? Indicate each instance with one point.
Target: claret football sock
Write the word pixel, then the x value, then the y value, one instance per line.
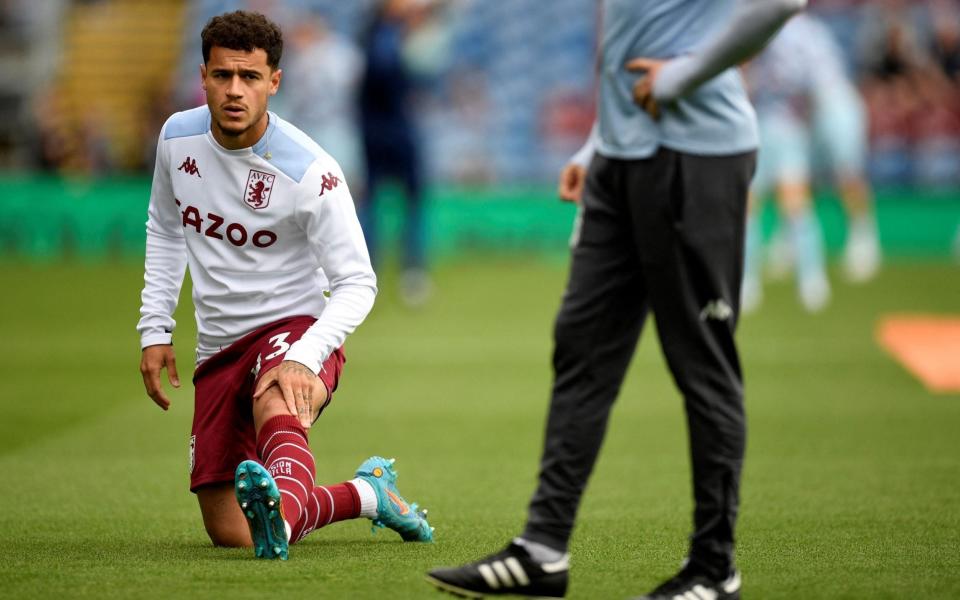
pixel 328 504
pixel 283 449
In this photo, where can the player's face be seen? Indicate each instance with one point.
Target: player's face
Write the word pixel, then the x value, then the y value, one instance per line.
pixel 238 85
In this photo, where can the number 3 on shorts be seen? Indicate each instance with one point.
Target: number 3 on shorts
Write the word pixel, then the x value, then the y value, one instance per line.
pixel 280 345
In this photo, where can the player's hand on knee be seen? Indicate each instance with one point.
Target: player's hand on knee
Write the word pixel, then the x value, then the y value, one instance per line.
pixel 300 387
pixel 572 178
pixel 152 362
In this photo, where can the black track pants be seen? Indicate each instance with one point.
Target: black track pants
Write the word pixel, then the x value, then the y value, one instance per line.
pixel 663 234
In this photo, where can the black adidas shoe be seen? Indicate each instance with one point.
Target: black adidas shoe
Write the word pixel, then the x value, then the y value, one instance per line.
pixel 689 584
pixel 510 571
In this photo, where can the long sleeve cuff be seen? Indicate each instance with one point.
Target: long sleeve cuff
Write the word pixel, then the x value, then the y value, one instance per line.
pixel 585 154
pixel 155 338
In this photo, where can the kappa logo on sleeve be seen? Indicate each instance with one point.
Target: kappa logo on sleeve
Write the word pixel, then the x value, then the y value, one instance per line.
pixel 189 167
pixel 328 182
pixel 258 190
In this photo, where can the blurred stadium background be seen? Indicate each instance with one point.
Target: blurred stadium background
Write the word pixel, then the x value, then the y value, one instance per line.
pixel 505 97
pixel 851 483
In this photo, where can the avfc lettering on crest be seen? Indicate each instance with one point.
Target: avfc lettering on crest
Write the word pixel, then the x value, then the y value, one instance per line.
pixel 258 190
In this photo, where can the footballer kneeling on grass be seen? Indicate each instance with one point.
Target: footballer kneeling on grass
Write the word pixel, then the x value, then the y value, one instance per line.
pixel 281 275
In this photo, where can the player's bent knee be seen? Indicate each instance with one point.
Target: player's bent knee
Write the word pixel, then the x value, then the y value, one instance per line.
pixel 222 517
pixel 228 536
pixel 270 404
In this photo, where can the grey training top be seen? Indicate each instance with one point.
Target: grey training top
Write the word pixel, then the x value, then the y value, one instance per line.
pixel 715 118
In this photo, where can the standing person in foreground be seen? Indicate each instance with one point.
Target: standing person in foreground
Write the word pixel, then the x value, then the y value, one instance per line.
pixel 262 216
pixel 661 228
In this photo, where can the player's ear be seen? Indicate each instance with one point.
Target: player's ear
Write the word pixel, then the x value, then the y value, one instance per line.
pixel 275 81
pixel 203 76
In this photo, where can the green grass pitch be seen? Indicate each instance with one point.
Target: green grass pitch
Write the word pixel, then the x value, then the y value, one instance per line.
pixel 851 486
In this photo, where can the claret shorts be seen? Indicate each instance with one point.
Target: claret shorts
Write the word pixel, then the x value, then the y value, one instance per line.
pixel 223 434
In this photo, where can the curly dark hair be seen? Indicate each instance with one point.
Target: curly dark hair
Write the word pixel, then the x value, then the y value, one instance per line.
pixel 243 30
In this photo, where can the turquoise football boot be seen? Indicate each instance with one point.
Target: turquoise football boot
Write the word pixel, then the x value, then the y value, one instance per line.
pixel 392 510
pixel 259 499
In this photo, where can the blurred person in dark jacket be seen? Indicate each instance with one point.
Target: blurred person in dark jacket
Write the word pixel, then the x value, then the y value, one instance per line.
pixel 390 139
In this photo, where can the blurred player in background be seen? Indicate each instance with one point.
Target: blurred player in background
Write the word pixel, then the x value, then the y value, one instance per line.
pixel 840 141
pixel 779 82
pixel 390 139
pixel 327 67
pixel 661 228
pixel 810 114
pixel 281 276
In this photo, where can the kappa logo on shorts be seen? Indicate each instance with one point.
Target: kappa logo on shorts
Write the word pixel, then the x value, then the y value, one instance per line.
pixel 258 190
pixel 193 452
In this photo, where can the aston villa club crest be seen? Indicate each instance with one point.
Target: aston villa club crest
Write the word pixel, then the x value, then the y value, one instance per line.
pixel 259 187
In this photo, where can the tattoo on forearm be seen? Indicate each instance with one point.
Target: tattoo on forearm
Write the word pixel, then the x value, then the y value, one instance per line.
pixel 296 367
pixel 303 409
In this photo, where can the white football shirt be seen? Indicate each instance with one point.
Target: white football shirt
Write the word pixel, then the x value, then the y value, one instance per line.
pixel 267 231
